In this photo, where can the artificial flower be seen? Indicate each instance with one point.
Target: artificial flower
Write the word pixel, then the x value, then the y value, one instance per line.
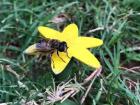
pixel 77 47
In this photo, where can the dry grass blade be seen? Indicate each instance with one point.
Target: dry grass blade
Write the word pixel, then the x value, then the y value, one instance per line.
pixel 63 91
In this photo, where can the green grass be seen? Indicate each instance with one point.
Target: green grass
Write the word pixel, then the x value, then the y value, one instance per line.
pixel 119 56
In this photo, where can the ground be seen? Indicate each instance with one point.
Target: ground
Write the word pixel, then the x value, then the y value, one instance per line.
pixel 25 79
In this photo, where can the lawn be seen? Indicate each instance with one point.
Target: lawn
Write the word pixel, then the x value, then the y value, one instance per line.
pixel 29 80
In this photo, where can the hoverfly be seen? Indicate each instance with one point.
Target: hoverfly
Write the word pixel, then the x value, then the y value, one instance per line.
pixel 50 46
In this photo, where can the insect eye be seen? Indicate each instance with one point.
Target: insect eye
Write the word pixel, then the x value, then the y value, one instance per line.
pixel 64 43
pixel 62 46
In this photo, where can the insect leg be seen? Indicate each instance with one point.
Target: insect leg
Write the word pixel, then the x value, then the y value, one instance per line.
pixel 67 53
pixel 52 60
pixel 60 57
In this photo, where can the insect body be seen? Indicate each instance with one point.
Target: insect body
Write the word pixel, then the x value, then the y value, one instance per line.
pixel 50 46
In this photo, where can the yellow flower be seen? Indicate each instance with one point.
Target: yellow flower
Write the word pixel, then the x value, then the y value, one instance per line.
pixel 77 47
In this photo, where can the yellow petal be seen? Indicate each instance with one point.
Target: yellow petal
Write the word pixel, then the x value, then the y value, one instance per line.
pixel 85 56
pixel 31 50
pixel 88 42
pixel 70 33
pixel 47 32
pixel 58 63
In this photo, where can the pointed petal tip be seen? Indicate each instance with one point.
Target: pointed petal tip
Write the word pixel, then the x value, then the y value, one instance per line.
pixel 25 51
pixel 56 72
pixel 97 65
pixel 30 50
pixel 101 42
pixel 40 28
pixel 74 25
